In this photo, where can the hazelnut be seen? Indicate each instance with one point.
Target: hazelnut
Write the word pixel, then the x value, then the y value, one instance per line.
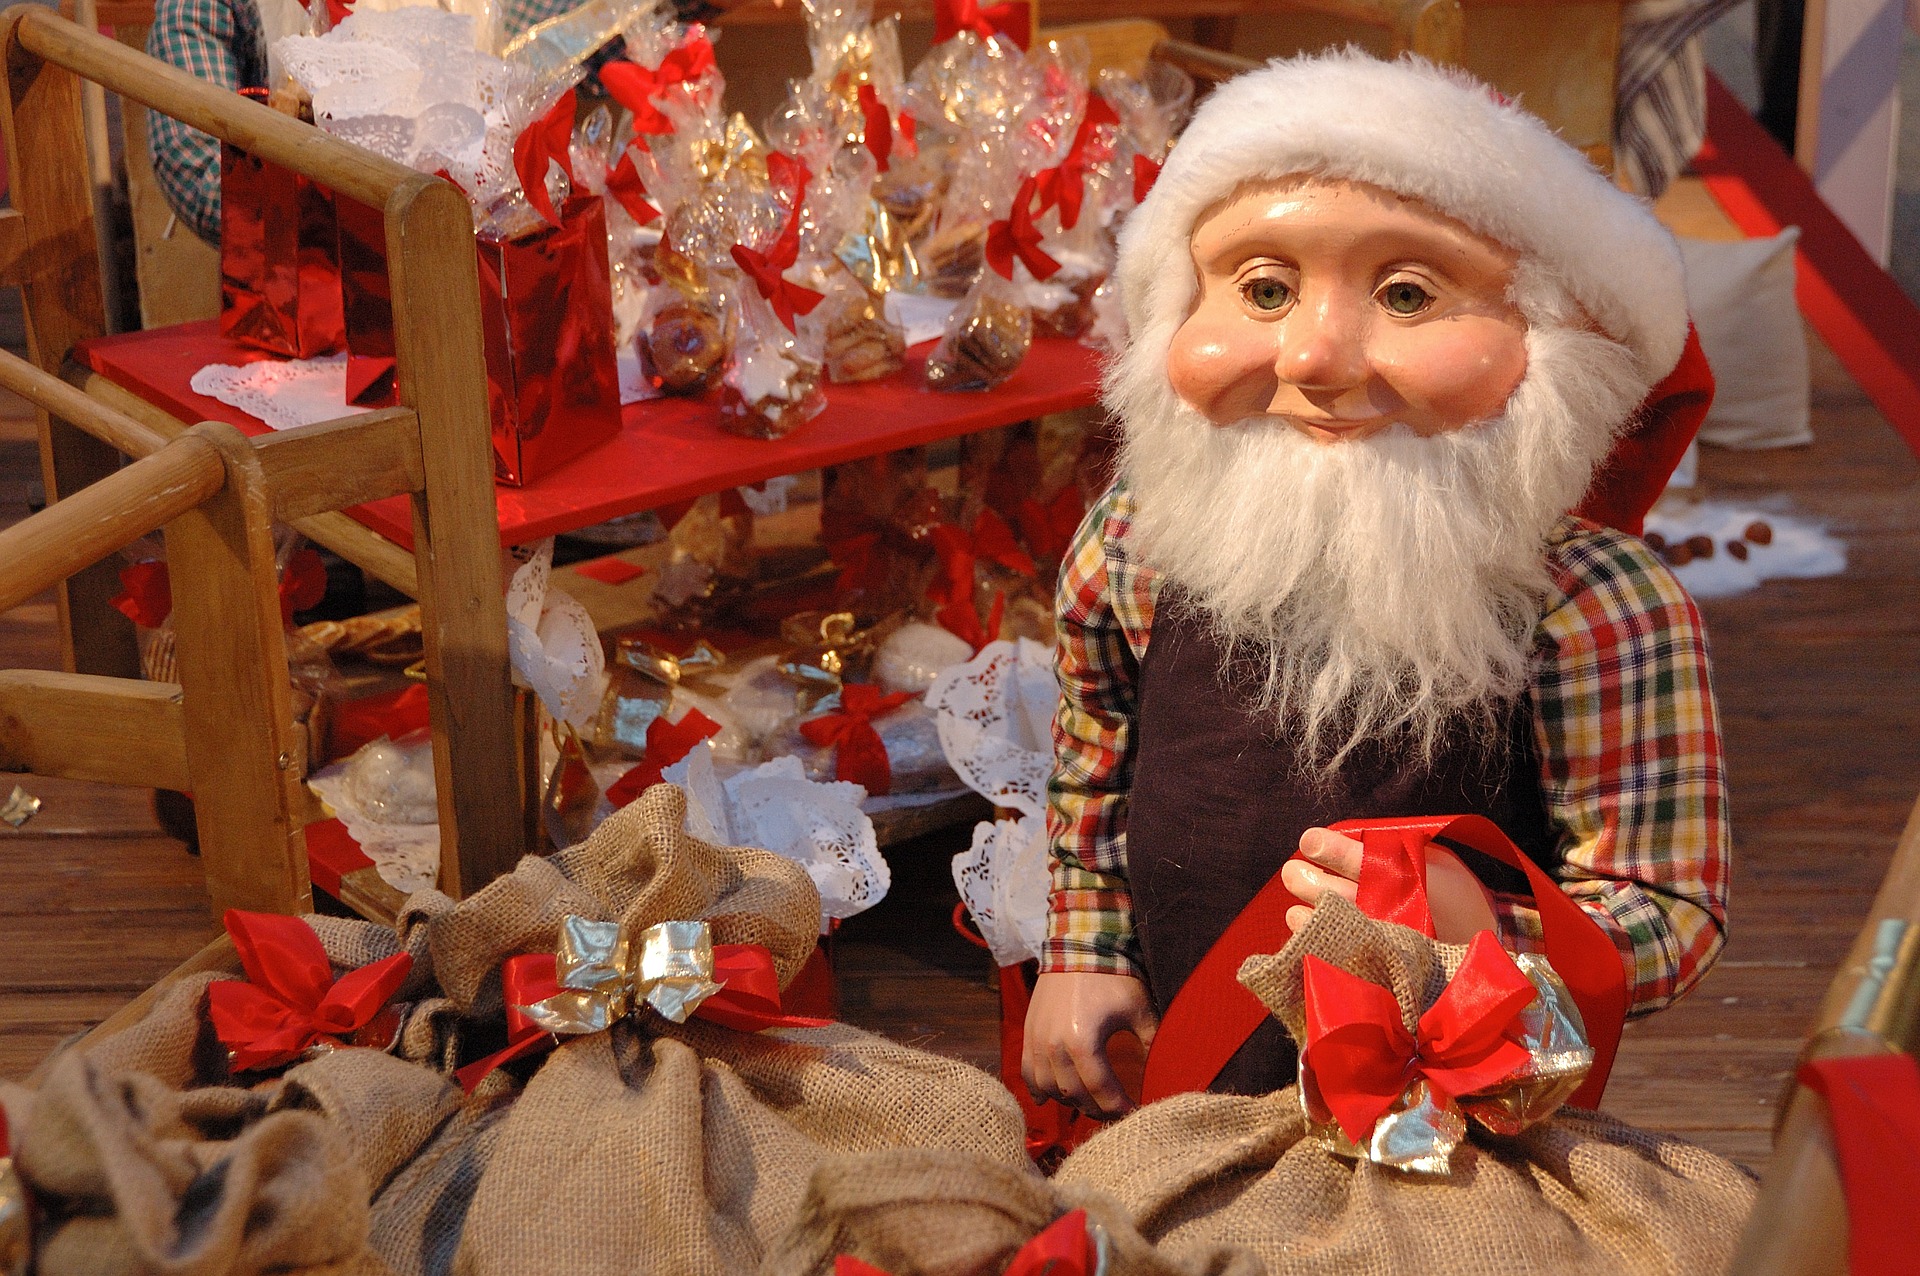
pixel 1738 549
pixel 1702 546
pixel 1655 541
pixel 1679 555
pixel 1759 533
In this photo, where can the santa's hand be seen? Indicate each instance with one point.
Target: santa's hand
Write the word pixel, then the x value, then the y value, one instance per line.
pixel 1330 862
pixel 1071 1018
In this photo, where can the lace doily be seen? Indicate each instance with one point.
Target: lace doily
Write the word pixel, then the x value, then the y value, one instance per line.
pixel 996 715
pixel 1003 879
pixel 774 806
pixel 284 394
pixel 552 644
pixel 407 856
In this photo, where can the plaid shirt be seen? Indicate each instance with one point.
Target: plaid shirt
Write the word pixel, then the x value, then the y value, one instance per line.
pixel 221 42
pixel 1624 722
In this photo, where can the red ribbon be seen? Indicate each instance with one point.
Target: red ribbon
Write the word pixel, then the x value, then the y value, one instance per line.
pixel 548 140
pixel 667 743
pixel 146 588
pixel 877 130
pixel 1145 173
pixel 951 17
pixel 1065 184
pixel 1065 1247
pixel 909 143
pixel 291 1000
pixel 858 754
pixel 958 552
pixel 1017 236
pixel 1049 528
pixel 338 11
pixel 1873 1104
pixel 1362 1058
pixel 623 183
pixel 637 87
pixel 767 270
pixel 748 1001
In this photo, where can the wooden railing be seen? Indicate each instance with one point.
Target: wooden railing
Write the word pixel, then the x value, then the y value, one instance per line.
pixel 216 494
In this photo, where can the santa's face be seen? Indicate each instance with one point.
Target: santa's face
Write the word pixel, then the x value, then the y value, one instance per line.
pixel 1338 310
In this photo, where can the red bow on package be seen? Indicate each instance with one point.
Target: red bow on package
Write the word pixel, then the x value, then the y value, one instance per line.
pixel 667 743
pixel 858 754
pixel 1049 528
pixel 1145 173
pixel 1065 184
pixel 146 589
pixel 1362 1059
pixel 291 1001
pixel 1065 1247
pixel 548 140
pixel 1017 236
pixel 637 88
pixel 877 128
pixel 623 183
pixel 992 540
pixel 733 985
pixel 767 270
pixel 951 17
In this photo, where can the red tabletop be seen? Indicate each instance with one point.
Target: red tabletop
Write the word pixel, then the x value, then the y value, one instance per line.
pixel 667 450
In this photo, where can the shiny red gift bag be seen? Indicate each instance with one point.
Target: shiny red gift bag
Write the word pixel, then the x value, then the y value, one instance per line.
pixel 546 312
pixel 279 264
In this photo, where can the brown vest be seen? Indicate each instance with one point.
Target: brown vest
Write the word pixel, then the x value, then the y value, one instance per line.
pixel 1218 804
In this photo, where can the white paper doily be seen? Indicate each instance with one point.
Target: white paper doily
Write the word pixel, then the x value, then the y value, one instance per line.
pixel 551 641
pixel 1003 879
pixel 407 856
pixel 284 394
pixel 996 714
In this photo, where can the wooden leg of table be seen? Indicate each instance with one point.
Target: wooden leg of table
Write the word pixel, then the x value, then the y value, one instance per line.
pixel 60 286
pixel 441 359
pixel 232 660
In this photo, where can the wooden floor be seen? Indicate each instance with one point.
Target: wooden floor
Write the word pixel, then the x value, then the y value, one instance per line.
pixel 1819 684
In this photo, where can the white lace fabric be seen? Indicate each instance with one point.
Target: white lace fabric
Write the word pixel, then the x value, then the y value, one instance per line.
pixel 551 641
pixel 286 394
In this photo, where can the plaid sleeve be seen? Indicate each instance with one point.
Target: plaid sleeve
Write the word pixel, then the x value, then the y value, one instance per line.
pixel 1631 761
pixel 218 41
pixel 1090 911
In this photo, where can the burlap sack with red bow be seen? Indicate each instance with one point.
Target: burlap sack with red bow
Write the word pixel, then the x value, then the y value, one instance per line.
pixel 1578 1192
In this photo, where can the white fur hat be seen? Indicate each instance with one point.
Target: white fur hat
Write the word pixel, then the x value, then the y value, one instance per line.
pixel 1430 134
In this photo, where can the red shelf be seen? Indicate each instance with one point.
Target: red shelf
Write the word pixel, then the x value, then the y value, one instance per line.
pixel 668 449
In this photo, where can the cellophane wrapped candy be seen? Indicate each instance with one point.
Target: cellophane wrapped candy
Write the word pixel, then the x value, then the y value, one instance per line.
pixel 985 340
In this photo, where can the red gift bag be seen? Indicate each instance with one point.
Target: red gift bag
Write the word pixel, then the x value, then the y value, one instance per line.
pixel 546 310
pixel 279 263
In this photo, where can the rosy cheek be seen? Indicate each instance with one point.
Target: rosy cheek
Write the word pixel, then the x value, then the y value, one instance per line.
pixel 1451 374
pixel 1221 368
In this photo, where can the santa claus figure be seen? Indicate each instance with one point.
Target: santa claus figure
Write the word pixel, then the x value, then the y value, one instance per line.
pixel 1383 328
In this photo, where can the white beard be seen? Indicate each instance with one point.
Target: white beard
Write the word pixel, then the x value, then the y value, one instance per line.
pixel 1386 587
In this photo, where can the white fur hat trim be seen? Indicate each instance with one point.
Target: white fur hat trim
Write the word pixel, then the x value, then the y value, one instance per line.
pixel 1423 132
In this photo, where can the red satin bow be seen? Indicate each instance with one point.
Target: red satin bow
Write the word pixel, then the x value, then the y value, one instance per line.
pixel 876 129
pixel 909 142
pixel 858 754
pixel 667 743
pixel 748 1001
pixel 146 589
pixel 636 87
pixel 1049 528
pixel 623 183
pixel 1145 173
pixel 958 551
pixel 767 270
pixel 1362 1059
pixel 548 140
pixel 291 1000
pixel 1065 184
pixel 951 17
pixel 1065 1247
pixel 1017 236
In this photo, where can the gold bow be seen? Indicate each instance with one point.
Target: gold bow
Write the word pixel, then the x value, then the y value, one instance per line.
pixel 824 649
pixel 601 979
pixel 665 668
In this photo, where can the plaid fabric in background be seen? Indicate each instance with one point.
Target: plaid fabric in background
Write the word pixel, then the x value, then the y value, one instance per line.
pixel 1624 722
pixel 220 41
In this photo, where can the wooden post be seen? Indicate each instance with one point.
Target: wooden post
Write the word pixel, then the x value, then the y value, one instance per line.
pixel 232 661
pixel 440 358
pixel 60 284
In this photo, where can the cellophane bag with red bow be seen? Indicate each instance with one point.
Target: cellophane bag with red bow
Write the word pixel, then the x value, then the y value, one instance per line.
pixel 279 257
pixel 1495 1181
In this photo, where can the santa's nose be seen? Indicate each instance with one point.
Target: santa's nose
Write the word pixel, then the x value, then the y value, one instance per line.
pixel 1322 346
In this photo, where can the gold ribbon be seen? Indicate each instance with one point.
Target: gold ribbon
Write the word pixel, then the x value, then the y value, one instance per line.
pixel 603 974
pixel 824 649
pixel 664 667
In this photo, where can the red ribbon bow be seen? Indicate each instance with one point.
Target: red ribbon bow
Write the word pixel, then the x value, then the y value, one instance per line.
pixel 951 17
pixel 1065 1247
pixel 748 1001
pixel 767 270
pixel 1017 236
pixel 291 1000
pixel 877 129
pixel 958 552
pixel 548 140
pixel 1049 528
pixel 858 754
pixel 1362 1059
pixel 667 743
pixel 637 87
pixel 623 183
pixel 1145 173
pixel 1065 184
pixel 146 588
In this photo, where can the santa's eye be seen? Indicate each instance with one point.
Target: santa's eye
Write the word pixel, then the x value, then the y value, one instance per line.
pixel 1266 293
pixel 1403 297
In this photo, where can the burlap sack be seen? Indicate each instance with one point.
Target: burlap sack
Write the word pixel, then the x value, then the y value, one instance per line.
pixel 1580 1192
pixel 919 1213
